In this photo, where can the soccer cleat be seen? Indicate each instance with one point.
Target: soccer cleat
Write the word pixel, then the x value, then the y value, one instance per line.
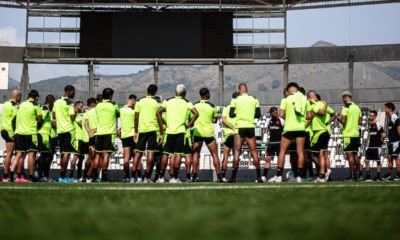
pixel 89 180
pixel 82 180
pixel 367 178
pixel 5 180
pixel 319 180
pixel 232 180
pixel 139 180
pixel 195 179
pixel 127 180
pixel 276 179
pixel 259 180
pixel 172 180
pixel 327 175
pixel 98 180
pixel 74 180
pixel 264 179
pixel 292 180
pixel 132 180
pixel 19 180
pixel 68 180
pixel 43 179
pixel 188 180
pixel 396 178
pixel 145 180
pixel 61 180
pixel 224 180
pixel 160 180
pixel 387 177
pixel 378 179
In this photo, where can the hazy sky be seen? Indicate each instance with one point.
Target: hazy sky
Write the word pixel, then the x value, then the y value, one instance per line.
pixel 360 25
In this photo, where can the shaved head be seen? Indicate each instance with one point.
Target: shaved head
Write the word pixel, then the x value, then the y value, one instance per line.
pixel 16 95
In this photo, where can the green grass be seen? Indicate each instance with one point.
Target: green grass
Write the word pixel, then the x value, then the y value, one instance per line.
pixel 297 211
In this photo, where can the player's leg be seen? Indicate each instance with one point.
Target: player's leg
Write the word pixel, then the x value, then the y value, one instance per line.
pixel 300 157
pixel 73 166
pixel 164 162
pixel 213 148
pixel 149 165
pixel 388 175
pixel 31 165
pixel 10 147
pixel 127 157
pixel 322 166
pixel 251 142
pixel 177 165
pixel 397 177
pixel 350 159
pixel 327 166
pixel 358 166
pixel 196 159
pixel 237 149
pixel 188 165
pixel 368 170
pixel 285 143
pixel 104 167
pixel 226 152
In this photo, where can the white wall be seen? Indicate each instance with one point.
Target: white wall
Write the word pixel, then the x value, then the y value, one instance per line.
pixel 4 75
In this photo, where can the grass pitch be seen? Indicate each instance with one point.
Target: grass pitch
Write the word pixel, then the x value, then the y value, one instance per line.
pixel 200 211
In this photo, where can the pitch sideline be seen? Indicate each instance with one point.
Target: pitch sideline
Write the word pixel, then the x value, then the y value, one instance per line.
pixel 191 188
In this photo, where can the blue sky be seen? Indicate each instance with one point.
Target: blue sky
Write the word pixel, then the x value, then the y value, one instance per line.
pixel 360 25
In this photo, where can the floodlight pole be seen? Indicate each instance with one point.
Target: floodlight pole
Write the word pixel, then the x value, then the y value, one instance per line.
pixel 155 70
pixel 285 54
pixel 91 79
pixel 25 86
pixel 221 84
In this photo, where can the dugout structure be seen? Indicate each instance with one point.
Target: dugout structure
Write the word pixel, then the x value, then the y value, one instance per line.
pixel 102 32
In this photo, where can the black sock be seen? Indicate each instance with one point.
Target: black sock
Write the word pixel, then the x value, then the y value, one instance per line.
pixel 234 173
pixel 95 173
pixel 18 175
pixel 223 172
pixel 354 174
pixel 12 176
pixel 63 174
pixel 368 173
pixel 31 177
pixel 5 175
pixel 194 175
pixel 176 173
pixel 258 171
pixel 265 173
pixel 187 175
pixel 147 175
pixel 139 173
pixel 85 174
pixel 398 174
pixel 279 172
pixel 378 174
pixel 219 177
pixel 71 173
pixel 134 174
pixel 104 175
pixel 79 174
pixel 302 172
pixel 321 175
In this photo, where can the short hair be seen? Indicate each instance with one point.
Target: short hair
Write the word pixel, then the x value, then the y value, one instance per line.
pixel 184 93
pixel 374 112
pixel 311 91
pixel 69 88
pixel 132 97
pixel 292 84
pixel 203 92
pixel 33 94
pixel 152 89
pixel 99 97
pixel 273 109
pixel 318 97
pixel 235 95
pixel 390 105
pixel 242 84
pixel 302 90
pixel 49 98
pixel 90 101
pixel 78 102
pixel 108 93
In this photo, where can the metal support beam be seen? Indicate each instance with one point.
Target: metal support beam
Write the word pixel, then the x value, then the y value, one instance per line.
pixel 351 76
pixel 24 85
pixel 221 84
pixel 91 79
pixel 285 74
pixel 156 70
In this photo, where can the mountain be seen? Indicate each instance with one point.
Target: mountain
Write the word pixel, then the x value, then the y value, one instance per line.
pixel 258 77
pixel 12 83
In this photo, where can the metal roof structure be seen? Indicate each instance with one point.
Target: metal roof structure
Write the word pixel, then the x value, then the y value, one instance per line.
pixel 236 5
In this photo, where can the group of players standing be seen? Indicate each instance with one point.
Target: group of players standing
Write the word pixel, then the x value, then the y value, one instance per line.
pixel 177 128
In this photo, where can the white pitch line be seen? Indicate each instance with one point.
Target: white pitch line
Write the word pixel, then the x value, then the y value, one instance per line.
pixel 184 188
